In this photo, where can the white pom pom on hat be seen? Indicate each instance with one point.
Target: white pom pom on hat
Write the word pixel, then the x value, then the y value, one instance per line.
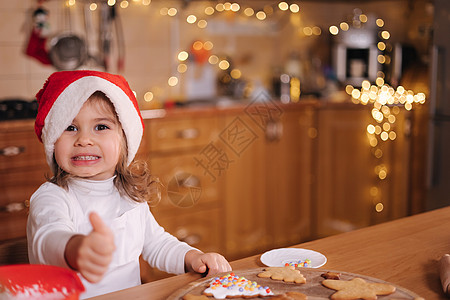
pixel 65 92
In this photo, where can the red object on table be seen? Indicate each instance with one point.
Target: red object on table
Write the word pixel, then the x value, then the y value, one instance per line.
pixel 54 282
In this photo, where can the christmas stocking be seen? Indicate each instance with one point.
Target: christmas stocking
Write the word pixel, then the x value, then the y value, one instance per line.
pixel 36 44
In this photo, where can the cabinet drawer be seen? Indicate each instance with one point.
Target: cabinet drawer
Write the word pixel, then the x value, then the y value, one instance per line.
pixel 13 225
pixel 199 229
pixel 173 134
pixel 19 149
pixel 185 184
pixel 18 186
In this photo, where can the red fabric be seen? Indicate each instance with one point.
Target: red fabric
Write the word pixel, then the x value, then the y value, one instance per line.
pixel 59 81
pixel 36 48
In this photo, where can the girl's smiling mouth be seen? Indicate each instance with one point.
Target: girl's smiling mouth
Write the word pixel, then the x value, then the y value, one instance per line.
pixel 85 157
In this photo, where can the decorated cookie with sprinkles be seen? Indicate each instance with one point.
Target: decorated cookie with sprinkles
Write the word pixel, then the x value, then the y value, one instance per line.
pixel 232 286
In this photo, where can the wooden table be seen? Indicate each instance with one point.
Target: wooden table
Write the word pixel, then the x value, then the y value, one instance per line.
pixel 404 252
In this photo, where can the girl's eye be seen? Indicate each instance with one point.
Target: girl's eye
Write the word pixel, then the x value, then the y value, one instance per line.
pixel 101 127
pixel 71 128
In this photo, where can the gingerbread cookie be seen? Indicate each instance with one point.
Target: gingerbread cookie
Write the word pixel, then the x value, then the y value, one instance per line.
pixel 232 286
pixel 193 297
pixel 290 296
pixel 357 288
pixel 331 275
pixel 287 274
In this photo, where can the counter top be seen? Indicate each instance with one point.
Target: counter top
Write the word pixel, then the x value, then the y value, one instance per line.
pixel 213 108
pixel 404 252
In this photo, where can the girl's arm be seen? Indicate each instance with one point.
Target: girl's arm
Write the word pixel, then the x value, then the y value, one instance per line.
pixel 91 254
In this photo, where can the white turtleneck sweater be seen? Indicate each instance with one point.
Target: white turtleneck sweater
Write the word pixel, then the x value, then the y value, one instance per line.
pixel 56 215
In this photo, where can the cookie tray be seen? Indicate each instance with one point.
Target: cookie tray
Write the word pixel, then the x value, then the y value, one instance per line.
pixel 312 288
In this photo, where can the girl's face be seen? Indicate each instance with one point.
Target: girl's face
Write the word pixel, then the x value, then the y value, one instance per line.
pixel 90 147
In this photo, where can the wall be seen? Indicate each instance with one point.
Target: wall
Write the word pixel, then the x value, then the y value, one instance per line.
pixel 153 40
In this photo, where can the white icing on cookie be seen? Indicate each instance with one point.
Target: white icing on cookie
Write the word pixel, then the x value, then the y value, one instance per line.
pixel 231 285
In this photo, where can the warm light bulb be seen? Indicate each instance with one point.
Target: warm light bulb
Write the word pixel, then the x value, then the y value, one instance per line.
pixel 260 15
pixel 370 129
pixel 334 30
pixel 356 93
pixel 249 12
pixel 182 68
pixel 148 96
pixel 379 207
pixel 223 64
pixel 191 19
pixel 349 89
pixel 213 59
pixel 235 7
pixel 202 24
pixel 392 135
pixel 344 26
pixel 208 45
pixel 363 18
pixel 173 81
pixel 183 55
pixel 164 11
pixel 235 73
pixel 209 10
pixel 316 30
pixel 385 34
pixel 172 12
pixel 220 7
pixel 198 45
pixel 307 31
pixel 283 6
pixel 294 8
pixel 379 22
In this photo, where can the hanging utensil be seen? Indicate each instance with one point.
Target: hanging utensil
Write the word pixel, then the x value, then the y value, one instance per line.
pixel 120 43
pixel 105 34
pixel 110 28
pixel 67 50
pixel 88 28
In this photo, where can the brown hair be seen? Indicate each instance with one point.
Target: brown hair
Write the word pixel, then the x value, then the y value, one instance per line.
pixel 134 180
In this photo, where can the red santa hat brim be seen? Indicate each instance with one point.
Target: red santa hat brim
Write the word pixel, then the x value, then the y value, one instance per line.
pixel 65 92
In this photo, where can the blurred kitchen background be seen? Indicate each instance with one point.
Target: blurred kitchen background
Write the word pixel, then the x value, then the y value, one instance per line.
pixel 343 108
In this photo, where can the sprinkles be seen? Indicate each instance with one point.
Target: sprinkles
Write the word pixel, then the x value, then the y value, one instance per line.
pixel 301 263
pixel 232 285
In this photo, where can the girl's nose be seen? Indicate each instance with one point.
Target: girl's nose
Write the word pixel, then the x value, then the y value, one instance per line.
pixel 83 139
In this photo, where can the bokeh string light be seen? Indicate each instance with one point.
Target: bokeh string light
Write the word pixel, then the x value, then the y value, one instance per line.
pixel 386 102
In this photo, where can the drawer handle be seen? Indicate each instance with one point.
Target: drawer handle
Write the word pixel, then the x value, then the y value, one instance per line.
pixel 274 131
pixel 12 150
pixel 13 207
pixel 188 133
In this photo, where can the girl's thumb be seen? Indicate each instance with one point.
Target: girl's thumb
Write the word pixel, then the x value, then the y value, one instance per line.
pixel 97 224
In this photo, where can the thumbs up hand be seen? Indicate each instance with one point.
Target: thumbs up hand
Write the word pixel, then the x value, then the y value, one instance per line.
pixel 91 254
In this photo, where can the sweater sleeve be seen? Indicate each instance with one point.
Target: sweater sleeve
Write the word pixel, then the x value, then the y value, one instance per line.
pixel 49 226
pixel 161 249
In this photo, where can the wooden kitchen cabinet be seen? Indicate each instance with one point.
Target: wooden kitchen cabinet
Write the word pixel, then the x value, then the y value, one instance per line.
pixel 190 206
pixel 358 185
pixel 22 171
pixel 290 161
pixel 268 186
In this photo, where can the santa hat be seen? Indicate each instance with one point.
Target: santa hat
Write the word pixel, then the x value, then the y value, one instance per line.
pixel 65 92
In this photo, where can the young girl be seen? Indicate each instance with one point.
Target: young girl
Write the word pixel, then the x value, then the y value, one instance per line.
pixel 92 216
